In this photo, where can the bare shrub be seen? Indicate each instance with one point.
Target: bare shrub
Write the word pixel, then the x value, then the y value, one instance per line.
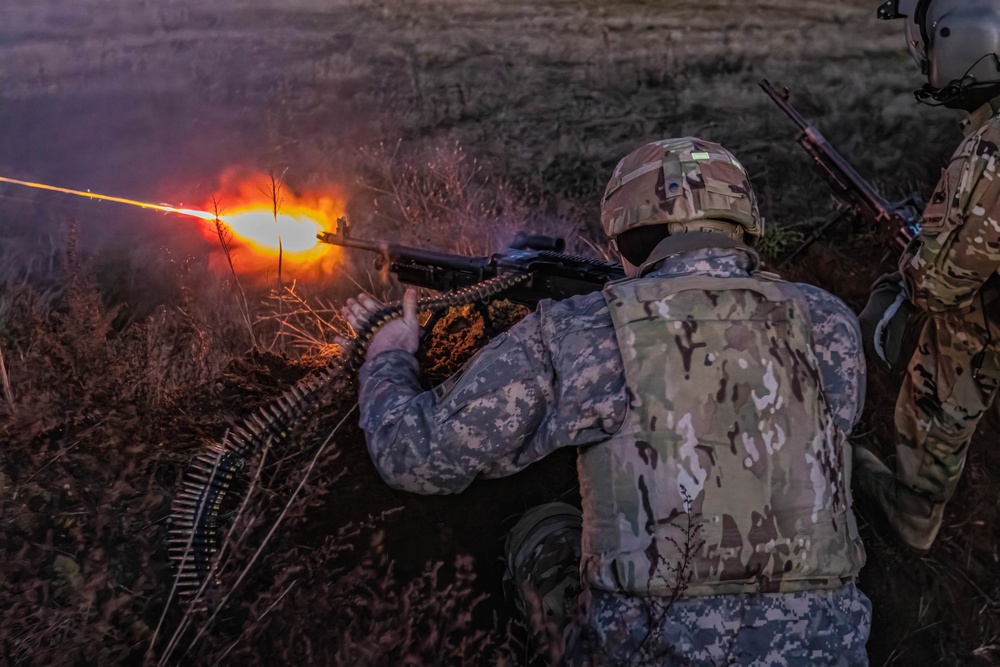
pixel 308 323
pixel 441 197
pixel 85 475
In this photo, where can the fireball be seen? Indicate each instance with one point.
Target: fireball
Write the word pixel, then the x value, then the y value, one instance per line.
pixel 267 227
pixel 261 233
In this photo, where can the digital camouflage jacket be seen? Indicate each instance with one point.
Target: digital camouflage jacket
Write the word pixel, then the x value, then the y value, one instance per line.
pixel 556 379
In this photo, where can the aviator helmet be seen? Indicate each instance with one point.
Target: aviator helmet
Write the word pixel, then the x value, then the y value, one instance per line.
pixel 956 43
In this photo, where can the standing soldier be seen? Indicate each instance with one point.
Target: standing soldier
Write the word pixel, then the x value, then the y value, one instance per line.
pixel 948 273
pixel 709 403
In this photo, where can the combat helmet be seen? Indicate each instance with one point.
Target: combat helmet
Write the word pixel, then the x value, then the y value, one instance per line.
pixel 956 43
pixel 686 184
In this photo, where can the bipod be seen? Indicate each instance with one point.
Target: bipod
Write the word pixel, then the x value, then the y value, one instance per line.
pixel 815 236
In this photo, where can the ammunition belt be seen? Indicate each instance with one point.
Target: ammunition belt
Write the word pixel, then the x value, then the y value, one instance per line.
pixel 195 529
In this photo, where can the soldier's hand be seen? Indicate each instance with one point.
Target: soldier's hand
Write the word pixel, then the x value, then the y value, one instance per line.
pixel 358 311
pixel 884 320
pixel 400 334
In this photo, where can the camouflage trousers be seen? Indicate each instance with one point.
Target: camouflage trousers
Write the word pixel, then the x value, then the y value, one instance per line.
pixel 574 625
pixel 939 406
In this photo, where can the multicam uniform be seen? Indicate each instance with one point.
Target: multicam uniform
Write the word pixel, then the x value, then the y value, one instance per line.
pixel 951 275
pixel 761 575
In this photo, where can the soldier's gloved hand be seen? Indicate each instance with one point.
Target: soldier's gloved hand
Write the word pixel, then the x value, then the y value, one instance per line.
pixel 400 334
pixel 884 320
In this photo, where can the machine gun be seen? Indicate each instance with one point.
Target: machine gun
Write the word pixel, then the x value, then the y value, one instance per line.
pixel 854 192
pixel 535 266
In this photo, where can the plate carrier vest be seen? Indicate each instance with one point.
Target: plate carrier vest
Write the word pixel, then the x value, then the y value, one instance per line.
pixel 728 475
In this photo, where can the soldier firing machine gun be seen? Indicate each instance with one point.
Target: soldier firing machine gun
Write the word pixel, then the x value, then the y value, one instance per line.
pixel 533 268
pixel 854 192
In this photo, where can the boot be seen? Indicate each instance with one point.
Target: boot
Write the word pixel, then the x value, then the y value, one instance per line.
pixel 543 551
pixel 908 517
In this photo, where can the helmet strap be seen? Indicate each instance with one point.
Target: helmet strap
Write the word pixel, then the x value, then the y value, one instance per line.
pixel 960 90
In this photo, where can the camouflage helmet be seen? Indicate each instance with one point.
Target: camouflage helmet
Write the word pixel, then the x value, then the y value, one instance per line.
pixel 687 184
pixel 956 43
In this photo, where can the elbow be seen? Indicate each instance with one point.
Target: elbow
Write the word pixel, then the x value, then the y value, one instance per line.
pixel 401 481
pixel 406 473
pixel 941 291
pixel 413 483
pixel 393 470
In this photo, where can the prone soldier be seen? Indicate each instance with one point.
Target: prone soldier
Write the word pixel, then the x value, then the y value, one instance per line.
pixel 709 403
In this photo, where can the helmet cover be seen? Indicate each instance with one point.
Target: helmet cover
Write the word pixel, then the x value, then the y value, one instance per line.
pixel 687 184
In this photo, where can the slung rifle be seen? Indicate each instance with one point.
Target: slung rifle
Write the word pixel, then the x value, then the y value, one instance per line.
pixel 900 219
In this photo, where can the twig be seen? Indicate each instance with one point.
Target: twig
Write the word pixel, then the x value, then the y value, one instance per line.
pixel 62 451
pixel 922 610
pixel 259 619
pixel 602 252
pixel 297 322
pixel 275 205
pixel 315 312
pixel 683 572
pixel 188 613
pixel 305 340
pixel 5 380
pixel 244 306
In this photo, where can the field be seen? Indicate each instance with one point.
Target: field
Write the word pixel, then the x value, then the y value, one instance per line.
pixel 130 340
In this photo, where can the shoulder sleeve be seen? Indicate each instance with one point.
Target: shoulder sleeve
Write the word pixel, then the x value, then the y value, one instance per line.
pixel 554 380
pixel 959 245
pixel 837 343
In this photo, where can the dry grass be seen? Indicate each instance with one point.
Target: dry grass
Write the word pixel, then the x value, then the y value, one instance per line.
pixel 90 462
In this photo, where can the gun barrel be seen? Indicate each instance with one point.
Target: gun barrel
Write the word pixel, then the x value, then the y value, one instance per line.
pixel 410 255
pixel 781 100
pixel 846 182
pixel 549 273
pixel 847 185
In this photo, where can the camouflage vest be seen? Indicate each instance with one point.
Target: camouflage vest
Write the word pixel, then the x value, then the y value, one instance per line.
pixel 728 475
